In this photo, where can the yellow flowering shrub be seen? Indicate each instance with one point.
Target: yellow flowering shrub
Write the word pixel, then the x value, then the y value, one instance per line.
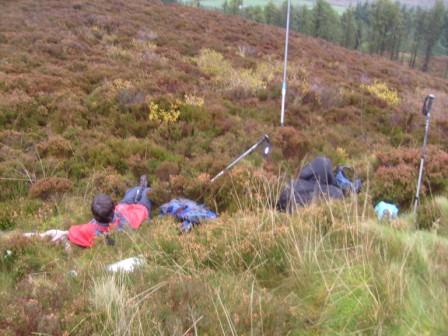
pixel 162 114
pixel 119 53
pixel 383 92
pixel 143 45
pixel 121 84
pixel 193 100
pixel 268 70
pixel 245 79
pixel 213 63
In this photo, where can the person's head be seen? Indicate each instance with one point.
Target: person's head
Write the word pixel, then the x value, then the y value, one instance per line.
pixel 103 208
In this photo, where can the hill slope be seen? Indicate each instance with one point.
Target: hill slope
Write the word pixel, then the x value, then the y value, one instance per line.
pixel 95 93
pixel 77 82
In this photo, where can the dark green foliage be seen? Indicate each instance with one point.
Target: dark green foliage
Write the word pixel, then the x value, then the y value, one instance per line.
pixel 7 223
pixel 325 21
pixel 272 14
pixel 433 30
pixel 302 20
pixel 382 27
pixel 385 18
pixel 349 27
pixel 232 6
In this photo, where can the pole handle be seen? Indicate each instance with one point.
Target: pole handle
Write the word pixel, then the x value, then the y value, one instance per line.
pixel 427 104
pixel 426 110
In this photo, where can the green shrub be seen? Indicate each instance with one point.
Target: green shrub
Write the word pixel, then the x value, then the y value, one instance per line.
pixel 381 91
pixel 7 223
pixel 396 174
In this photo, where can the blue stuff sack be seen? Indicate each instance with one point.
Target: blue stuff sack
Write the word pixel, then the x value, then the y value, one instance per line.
pixel 344 183
pixel 386 210
pixel 187 211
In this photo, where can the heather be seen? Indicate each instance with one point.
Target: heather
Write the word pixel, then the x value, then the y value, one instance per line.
pixel 94 94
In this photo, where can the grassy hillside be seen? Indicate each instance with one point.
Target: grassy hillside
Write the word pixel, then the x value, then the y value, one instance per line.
pixel 93 94
pixel 324 271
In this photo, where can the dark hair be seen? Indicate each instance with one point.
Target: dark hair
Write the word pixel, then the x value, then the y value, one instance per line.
pixel 103 208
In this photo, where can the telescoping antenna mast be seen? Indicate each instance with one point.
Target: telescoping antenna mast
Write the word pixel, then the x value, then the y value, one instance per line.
pixel 282 116
pixel 427 105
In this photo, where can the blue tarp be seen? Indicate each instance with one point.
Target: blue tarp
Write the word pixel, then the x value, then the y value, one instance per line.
pixel 188 211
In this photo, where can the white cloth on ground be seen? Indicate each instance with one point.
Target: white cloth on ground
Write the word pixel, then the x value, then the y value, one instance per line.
pixel 55 235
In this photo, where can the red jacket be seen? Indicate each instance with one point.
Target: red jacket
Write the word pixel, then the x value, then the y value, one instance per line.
pixel 126 215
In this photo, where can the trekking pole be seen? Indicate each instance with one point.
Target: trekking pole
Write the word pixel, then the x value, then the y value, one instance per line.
pixel 426 110
pixel 267 149
pixel 282 116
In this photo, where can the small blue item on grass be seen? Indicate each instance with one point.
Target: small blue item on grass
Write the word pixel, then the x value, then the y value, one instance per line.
pixel 344 183
pixel 188 211
pixel 386 210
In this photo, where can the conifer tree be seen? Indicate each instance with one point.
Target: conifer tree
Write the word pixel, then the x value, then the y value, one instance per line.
pixel 433 31
pixel 284 12
pixel 303 21
pixel 225 6
pixel 349 28
pixel 325 21
pixel 362 23
pixel 419 27
pixel 235 6
pixel 396 31
pixel 444 41
pixel 384 19
pixel 254 13
pixel 272 14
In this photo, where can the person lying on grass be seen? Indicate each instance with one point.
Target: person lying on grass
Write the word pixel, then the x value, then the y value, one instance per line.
pixel 130 212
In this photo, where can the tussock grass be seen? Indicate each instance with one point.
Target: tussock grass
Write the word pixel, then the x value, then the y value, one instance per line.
pixel 320 270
